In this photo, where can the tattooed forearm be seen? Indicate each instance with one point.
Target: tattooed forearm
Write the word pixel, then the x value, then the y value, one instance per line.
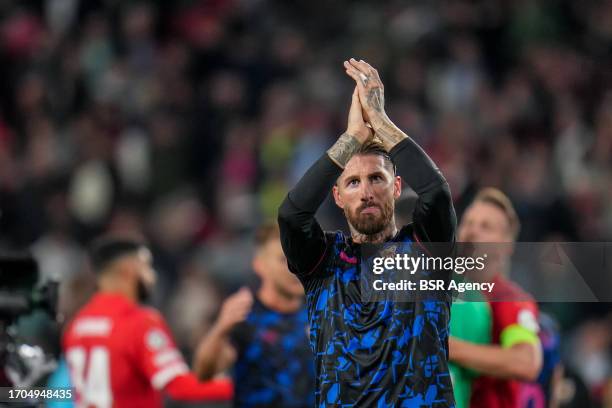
pixel 388 133
pixel 343 149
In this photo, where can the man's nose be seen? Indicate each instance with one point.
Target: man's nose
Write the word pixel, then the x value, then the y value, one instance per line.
pixel 366 192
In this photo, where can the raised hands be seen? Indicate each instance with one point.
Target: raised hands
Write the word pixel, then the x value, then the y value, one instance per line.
pixel 370 87
pixel 367 107
pixel 357 133
pixel 372 98
pixel 357 126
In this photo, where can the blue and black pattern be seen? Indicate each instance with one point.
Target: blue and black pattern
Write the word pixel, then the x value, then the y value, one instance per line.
pixel 376 354
pixel 274 367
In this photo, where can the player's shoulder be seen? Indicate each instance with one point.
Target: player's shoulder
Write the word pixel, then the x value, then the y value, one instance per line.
pixel 337 242
pixel 91 309
pixel 522 310
pixel 336 237
pixel 90 319
pixel 148 322
pixel 410 234
pixel 147 315
pixel 407 231
pixel 513 294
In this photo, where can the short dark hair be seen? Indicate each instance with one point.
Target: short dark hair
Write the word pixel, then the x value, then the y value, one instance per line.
pixel 265 233
pixel 375 147
pixel 105 250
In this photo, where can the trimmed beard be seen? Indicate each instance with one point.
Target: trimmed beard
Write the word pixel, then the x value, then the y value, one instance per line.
pixel 369 224
pixel 144 292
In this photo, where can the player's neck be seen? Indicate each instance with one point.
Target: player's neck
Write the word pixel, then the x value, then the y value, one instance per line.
pixel 278 301
pixel 117 287
pixel 378 238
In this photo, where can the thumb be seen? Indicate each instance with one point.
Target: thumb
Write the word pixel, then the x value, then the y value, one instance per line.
pixel 363 112
pixel 246 292
pixel 355 98
pixel 356 103
pixel 242 292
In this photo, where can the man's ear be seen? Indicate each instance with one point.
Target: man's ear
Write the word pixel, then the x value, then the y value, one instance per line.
pixel 337 198
pixel 126 268
pixel 397 187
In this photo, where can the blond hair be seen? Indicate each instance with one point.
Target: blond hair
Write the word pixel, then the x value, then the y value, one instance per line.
pixel 500 200
pixel 266 233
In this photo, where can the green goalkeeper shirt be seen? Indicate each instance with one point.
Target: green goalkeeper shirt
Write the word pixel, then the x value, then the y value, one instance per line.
pixel 470 321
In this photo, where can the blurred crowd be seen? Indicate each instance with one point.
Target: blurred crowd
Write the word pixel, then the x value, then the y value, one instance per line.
pixel 185 122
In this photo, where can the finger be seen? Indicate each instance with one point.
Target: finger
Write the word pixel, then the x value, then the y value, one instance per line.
pixel 232 299
pixel 353 74
pixel 243 299
pixel 358 66
pixel 242 296
pixel 246 293
pixel 363 65
pixel 369 75
pixel 366 69
pixel 371 71
pixel 359 101
pixel 244 302
pixel 241 303
pixel 240 293
pixel 359 77
pixel 351 70
pixel 359 80
pixel 355 111
pixel 352 63
pixel 375 76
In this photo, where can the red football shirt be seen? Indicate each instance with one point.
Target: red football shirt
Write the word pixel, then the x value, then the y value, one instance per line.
pixel 513 322
pixel 120 354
